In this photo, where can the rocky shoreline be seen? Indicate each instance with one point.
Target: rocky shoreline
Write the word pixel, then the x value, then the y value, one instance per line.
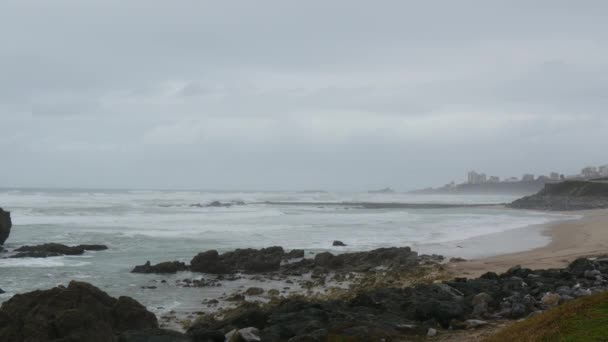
pixel 395 295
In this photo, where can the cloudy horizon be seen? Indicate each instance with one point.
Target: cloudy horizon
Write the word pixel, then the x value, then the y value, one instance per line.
pixel 285 95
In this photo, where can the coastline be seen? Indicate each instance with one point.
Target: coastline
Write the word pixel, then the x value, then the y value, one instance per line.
pixel 570 239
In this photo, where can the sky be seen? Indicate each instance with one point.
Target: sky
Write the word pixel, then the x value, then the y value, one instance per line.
pixel 297 95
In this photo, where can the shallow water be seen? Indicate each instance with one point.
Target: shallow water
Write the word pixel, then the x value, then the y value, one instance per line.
pixel 161 225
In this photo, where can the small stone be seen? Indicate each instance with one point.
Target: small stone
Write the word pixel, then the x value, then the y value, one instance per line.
pixel 550 299
pixel 481 297
pixel 431 332
pixel 254 291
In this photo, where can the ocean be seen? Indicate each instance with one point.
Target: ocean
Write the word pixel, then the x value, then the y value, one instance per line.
pixel 169 225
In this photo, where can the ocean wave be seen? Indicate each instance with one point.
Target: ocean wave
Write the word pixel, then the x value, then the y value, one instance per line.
pixel 41 262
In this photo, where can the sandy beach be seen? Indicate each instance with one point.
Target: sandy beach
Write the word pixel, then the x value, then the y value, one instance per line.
pixel 587 236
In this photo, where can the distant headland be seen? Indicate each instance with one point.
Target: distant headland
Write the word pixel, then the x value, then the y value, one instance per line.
pixel 480 183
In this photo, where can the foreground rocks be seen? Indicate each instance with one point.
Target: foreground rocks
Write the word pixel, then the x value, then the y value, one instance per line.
pixel 54 249
pixel 5 226
pixel 80 312
pixel 568 195
pixel 393 313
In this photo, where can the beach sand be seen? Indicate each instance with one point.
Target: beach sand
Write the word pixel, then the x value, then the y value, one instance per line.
pixel 587 236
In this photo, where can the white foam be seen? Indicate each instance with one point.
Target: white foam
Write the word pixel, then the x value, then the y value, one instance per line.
pixel 41 262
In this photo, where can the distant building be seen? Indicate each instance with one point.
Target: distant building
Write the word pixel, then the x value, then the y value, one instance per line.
pixel 554 176
pixel 494 179
pixel 543 178
pixel 603 170
pixel 511 180
pixel 590 172
pixel 476 178
pixel 528 177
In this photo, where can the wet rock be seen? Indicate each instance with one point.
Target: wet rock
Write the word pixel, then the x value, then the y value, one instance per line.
pixel 209 262
pixel 5 225
pixel 51 249
pixel 80 312
pixel 163 267
pixel 254 291
pixel 93 247
pixel 338 243
pixel 294 254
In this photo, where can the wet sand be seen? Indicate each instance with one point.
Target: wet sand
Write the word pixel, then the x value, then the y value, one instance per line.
pixel 587 236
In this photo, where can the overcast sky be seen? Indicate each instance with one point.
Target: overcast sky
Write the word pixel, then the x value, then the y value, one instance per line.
pixel 338 95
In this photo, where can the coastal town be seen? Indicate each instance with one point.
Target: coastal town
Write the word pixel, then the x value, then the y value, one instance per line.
pixel 479 182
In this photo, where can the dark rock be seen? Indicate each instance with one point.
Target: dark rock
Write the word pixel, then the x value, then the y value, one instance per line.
pixel 580 265
pixel 5 225
pixel 209 262
pixel 247 260
pixel 163 267
pixel 37 254
pixel 294 254
pixel 205 335
pixel 80 312
pixel 338 243
pixel 254 291
pixel 93 247
pixel 153 335
pixel 52 249
pixel 395 258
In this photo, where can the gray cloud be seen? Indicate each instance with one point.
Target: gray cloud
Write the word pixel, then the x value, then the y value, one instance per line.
pixel 292 95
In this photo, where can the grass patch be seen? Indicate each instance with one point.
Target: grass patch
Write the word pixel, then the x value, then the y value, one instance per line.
pixel 584 319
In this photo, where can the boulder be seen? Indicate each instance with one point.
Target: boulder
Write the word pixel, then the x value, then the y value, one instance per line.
pixel 5 225
pixel 209 262
pixel 80 312
pixel 580 265
pixel 246 260
pixel 338 243
pixel 163 267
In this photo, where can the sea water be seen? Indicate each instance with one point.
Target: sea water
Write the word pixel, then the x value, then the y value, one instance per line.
pixel 163 226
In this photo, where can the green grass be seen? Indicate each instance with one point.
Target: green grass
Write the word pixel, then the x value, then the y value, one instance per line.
pixel 584 320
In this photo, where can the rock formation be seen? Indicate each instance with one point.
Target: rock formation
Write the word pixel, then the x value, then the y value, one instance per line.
pixel 5 225
pixel 568 195
pixel 80 312
pixel 54 249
